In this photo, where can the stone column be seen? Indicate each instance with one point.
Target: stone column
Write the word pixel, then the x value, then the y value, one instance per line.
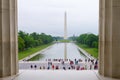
pixel 8 38
pixel 116 38
pixel 109 39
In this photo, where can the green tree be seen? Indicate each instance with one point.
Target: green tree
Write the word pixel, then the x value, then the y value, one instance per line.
pixel 29 41
pixel 95 44
pixel 89 39
pixel 21 44
pixel 82 38
pixel 32 40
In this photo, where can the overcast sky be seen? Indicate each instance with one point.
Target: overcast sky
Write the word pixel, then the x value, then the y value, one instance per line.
pixel 47 16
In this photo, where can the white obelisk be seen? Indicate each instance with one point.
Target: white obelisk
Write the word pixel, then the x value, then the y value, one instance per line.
pixel 65 25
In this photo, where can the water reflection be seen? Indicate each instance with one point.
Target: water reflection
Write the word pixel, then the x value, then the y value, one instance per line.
pixel 65 50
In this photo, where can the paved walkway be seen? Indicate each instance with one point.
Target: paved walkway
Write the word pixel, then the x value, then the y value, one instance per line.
pixel 57 75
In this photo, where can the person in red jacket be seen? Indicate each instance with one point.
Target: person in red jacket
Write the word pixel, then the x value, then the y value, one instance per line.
pixel 53 67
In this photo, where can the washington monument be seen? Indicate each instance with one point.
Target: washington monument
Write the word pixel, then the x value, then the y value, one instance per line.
pixel 65 25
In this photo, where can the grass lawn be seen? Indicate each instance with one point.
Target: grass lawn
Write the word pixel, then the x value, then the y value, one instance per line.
pixel 67 41
pixel 92 51
pixel 30 51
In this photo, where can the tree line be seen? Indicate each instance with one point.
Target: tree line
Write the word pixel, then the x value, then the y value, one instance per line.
pixel 89 39
pixel 26 40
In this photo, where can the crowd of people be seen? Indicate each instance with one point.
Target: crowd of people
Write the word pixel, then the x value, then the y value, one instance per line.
pixel 67 64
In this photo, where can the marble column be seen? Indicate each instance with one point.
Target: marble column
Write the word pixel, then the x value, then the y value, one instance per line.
pixel 8 38
pixel 109 38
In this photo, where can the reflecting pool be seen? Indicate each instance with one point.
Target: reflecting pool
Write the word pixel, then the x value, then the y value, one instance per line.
pixel 60 51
